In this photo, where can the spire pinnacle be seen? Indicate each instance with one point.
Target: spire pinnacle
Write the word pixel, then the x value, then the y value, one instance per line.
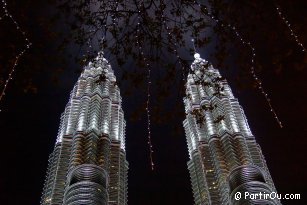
pixel 100 55
pixel 193 42
pixel 197 56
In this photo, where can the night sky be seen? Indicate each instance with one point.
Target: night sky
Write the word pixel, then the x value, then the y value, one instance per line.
pixel 29 123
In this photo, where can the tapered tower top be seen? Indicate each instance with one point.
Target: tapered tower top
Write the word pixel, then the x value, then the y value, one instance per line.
pixel 99 66
pixel 96 87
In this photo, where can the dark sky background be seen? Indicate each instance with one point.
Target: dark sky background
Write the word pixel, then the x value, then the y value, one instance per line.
pixel 29 123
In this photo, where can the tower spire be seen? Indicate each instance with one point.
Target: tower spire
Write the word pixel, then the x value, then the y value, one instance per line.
pixel 193 43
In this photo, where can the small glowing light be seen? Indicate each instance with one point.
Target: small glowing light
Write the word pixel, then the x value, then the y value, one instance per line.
pixel 196 56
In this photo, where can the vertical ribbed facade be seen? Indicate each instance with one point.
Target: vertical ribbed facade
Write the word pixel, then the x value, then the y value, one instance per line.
pixel 88 164
pixel 224 155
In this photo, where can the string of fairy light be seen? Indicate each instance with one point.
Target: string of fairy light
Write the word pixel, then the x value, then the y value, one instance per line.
pixel 283 18
pixel 138 44
pixel 7 14
pixel 175 50
pixel 248 44
pixel 173 42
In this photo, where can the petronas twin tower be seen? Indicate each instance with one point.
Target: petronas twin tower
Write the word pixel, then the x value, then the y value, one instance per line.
pixel 88 165
pixel 225 160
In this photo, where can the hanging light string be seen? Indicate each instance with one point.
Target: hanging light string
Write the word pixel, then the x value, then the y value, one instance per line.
pixel 172 42
pixel 148 115
pixel 138 43
pixel 283 18
pixel 20 54
pixel 183 66
pixel 248 44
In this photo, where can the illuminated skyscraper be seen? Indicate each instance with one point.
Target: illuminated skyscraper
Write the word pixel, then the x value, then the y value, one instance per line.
pixel 224 156
pixel 88 164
